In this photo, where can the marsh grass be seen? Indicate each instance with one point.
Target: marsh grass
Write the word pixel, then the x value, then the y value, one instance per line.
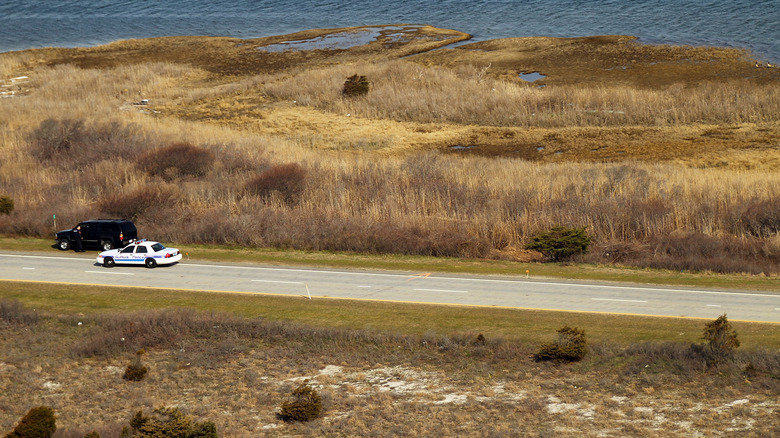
pixel 641 165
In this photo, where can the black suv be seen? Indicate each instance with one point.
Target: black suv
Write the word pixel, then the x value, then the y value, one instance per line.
pixel 103 233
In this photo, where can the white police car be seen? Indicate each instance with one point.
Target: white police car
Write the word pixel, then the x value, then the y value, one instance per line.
pixel 140 252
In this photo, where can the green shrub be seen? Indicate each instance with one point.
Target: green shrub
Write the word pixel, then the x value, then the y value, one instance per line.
pixel 720 337
pixel 169 423
pixel 560 243
pixel 6 204
pixel 37 423
pixel 136 371
pixel 570 346
pixel 92 435
pixel 306 404
pixel 355 86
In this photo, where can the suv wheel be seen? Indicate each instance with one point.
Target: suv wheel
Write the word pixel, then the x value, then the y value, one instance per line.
pixel 106 245
pixel 63 244
pixel 150 263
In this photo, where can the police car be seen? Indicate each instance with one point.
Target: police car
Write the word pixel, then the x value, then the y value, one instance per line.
pixel 140 252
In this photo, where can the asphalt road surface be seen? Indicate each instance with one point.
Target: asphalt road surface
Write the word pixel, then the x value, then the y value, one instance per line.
pixel 420 287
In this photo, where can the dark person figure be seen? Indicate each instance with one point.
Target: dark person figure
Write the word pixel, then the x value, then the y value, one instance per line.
pixel 77 239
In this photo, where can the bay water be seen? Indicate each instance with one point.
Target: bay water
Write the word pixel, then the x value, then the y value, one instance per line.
pixel 749 24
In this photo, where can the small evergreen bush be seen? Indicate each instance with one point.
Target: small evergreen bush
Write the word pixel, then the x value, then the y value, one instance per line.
pixel 6 204
pixel 305 406
pixel 355 86
pixel 560 243
pixel 37 423
pixel 169 423
pixel 720 338
pixel 570 346
pixel 136 371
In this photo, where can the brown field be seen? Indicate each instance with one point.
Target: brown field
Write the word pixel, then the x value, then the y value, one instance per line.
pixel 668 155
pixel 381 368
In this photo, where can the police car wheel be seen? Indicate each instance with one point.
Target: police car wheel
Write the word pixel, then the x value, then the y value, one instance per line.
pixel 109 262
pixel 63 244
pixel 150 263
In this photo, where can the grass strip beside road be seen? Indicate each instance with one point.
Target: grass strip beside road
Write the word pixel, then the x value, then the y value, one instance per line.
pixel 511 324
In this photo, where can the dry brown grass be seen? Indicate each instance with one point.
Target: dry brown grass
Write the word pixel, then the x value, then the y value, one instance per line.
pixel 236 372
pixel 450 153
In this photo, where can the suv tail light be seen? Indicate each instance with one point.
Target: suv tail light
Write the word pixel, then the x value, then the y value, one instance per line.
pixel 121 236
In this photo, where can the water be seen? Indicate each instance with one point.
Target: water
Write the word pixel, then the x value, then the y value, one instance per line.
pixel 754 25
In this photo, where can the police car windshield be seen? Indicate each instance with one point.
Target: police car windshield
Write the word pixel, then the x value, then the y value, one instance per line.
pixel 158 247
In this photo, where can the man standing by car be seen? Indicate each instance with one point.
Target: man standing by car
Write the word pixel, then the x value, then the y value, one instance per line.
pixel 77 239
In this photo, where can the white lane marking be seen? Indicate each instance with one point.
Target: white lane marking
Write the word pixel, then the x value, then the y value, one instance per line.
pixel 32 269
pixel 622 301
pixel 486 280
pixel 713 305
pixel 278 281
pixel 110 273
pixel 491 280
pixel 368 287
pixel 444 290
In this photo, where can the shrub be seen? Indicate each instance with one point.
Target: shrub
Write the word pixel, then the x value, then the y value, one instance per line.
pixel 136 371
pixel 762 218
pixel 169 423
pixel 720 337
pixel 37 423
pixel 355 86
pixel 560 243
pixel 570 346
pixel 92 435
pixel 288 180
pixel 56 139
pixel 71 142
pixel 305 406
pixel 6 204
pixel 13 312
pixel 148 199
pixel 176 160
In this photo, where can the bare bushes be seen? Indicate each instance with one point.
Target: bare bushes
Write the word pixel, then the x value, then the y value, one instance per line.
pixel 688 250
pixel 762 217
pixel 71 142
pixel 14 313
pixel 285 180
pixel 147 201
pixel 159 329
pixel 178 159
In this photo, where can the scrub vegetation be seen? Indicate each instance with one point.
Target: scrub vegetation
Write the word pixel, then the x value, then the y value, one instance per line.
pixel 666 155
pixel 219 374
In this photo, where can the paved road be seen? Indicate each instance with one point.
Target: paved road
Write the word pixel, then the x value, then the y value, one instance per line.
pixel 518 292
